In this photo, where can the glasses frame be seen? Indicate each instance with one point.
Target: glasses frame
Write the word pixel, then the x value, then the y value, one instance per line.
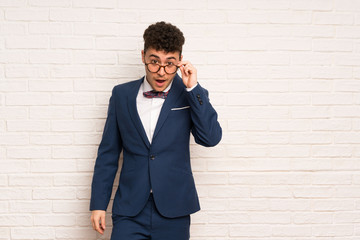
pixel 160 66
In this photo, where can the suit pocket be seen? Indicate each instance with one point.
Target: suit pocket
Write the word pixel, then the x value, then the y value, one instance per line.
pixel 180 108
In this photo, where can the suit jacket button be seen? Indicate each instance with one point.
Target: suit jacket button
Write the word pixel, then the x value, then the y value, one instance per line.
pixel 152 157
pixel 198 95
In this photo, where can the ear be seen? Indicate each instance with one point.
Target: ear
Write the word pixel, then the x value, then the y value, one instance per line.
pixel 143 56
pixel 181 58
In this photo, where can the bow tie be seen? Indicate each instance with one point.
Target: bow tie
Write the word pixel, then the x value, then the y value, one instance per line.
pixel 155 94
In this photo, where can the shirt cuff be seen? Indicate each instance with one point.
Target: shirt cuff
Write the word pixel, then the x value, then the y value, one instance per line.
pixel 189 89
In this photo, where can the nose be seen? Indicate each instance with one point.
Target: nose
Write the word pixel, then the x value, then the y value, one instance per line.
pixel 161 71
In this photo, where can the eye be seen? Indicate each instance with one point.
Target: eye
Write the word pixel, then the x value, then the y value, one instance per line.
pixel 170 63
pixel 154 61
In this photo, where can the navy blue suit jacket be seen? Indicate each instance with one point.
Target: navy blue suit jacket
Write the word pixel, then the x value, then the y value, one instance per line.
pixel 164 165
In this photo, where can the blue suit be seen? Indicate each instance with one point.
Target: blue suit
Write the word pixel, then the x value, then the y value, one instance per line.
pixel 164 165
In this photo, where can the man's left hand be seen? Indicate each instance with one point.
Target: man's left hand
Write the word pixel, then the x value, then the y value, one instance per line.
pixel 188 73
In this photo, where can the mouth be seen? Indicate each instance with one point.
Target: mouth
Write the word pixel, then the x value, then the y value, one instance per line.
pixel 160 81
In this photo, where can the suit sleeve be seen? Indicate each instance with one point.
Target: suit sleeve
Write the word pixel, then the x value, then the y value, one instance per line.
pixel 107 160
pixel 206 129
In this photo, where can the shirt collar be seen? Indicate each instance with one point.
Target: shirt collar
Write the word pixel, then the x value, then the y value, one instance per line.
pixel 147 87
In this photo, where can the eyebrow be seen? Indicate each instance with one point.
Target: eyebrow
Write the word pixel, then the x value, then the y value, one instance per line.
pixel 153 55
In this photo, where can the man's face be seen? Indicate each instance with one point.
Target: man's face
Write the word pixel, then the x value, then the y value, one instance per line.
pixel 160 80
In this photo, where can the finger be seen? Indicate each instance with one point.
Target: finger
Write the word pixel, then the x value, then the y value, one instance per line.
pixel 97 226
pixel 102 218
pixel 182 70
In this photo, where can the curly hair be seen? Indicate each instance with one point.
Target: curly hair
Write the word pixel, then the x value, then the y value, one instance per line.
pixel 163 36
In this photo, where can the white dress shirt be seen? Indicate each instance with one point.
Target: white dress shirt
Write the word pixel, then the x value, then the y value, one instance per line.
pixel 149 108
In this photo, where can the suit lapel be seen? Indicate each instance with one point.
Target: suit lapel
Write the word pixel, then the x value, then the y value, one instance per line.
pixel 134 112
pixel 176 89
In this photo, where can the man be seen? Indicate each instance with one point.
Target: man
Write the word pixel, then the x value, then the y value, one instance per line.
pixel 150 120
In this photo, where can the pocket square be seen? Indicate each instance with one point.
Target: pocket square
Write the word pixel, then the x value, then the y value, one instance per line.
pixel 180 108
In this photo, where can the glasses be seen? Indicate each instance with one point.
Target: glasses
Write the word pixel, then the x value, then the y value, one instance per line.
pixel 155 67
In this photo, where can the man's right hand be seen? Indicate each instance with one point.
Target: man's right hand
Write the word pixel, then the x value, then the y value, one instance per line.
pixel 98 220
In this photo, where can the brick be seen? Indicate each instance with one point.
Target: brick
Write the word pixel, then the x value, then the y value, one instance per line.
pixel 13 85
pixel 327 45
pixel 346 5
pixel 51 3
pixel 33 232
pixel 70 15
pixel 96 29
pixel 150 17
pixel 206 230
pixel 12 57
pixel 116 72
pixel 13 165
pixel 333 205
pixel 333 230
pixel 18 71
pixel 333 18
pixel 323 31
pixel 294 17
pixel 72 126
pixel 118 15
pixel 72 180
pixel 15 194
pixel 115 43
pixel 246 17
pixel 28 125
pixel 69 206
pixel 312 192
pixel 30 180
pixel 94 3
pixel 250 231
pixel 74 152
pixel 72 98
pixel 57 220
pixel 13 29
pixel 33 42
pixel 54 193
pixel 94 57
pixel 26 99
pixel 229 191
pixel 71 43
pixel 51 139
pixel 289 204
pixel 12 3
pixel 15 220
pixel 45 112
pixel 205 17
pixel 105 85
pixel 139 4
pixel 53 166
pixel 50 28
pixel 32 206
pixel 62 85
pixel 28 152
pixel 322 5
pixel 348 32
pixel 272 4
pixel 14 139
pixel 27 14
pixel 292 231
pixel 332 99
pixel 72 72
pixel 41 56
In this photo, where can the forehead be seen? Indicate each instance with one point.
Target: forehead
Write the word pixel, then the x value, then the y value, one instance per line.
pixel 162 54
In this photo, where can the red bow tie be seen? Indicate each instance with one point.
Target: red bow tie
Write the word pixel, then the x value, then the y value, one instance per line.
pixel 155 94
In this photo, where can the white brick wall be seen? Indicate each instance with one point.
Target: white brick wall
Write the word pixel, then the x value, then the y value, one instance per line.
pixel 284 76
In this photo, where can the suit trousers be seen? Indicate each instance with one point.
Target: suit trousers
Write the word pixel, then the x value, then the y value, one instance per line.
pixel 150 224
